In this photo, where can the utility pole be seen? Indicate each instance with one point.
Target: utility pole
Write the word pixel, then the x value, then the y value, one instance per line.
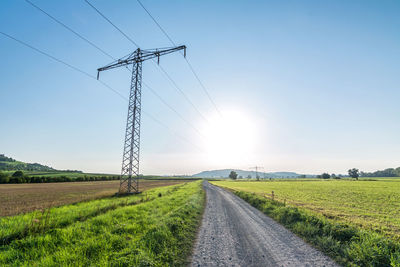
pixel 256 168
pixel 129 179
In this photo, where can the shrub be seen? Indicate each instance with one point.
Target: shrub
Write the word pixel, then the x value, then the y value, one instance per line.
pixel 18 174
pixel 4 178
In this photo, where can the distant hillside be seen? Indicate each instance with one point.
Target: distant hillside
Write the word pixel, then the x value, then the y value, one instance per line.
pixel 10 164
pixel 225 174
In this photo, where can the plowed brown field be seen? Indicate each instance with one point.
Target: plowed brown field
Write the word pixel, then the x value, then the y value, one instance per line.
pixel 21 198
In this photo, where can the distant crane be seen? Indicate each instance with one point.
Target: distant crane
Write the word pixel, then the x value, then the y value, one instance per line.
pixel 257 168
pixel 129 180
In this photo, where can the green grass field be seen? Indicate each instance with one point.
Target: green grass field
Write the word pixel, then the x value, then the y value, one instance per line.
pixel 155 228
pixel 355 222
pixel 373 204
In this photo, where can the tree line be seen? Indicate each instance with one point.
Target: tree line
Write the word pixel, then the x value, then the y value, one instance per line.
pixel 353 173
pixel 390 172
pixel 19 177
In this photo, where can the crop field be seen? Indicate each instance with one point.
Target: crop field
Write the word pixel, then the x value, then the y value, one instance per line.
pixel 155 228
pixel 369 204
pixel 356 223
pixel 21 198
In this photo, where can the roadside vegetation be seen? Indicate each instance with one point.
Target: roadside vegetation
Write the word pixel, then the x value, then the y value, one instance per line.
pixel 156 228
pixel 354 222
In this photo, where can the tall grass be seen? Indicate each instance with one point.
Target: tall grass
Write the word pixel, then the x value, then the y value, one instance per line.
pixel 344 243
pixel 17 227
pixel 158 232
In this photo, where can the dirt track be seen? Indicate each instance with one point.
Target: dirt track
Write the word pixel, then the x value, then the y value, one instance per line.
pixel 233 233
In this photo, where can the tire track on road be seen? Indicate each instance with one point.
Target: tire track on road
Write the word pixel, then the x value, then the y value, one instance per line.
pixel 233 233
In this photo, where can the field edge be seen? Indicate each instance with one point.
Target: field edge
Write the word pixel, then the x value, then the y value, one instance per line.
pixel 343 243
pixel 173 217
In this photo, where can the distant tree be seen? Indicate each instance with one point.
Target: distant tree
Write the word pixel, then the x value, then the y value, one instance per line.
pixel 4 178
pixel 302 176
pixel 325 175
pixel 390 172
pixel 249 176
pixel 354 173
pixel 233 175
pixel 397 171
pixel 18 174
pixel 240 177
pixel 333 176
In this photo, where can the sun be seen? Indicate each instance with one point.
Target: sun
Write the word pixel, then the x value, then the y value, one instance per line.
pixel 230 138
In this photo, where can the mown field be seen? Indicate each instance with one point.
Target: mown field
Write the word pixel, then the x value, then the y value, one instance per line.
pixel 373 204
pixel 155 228
pixel 355 222
pixel 21 198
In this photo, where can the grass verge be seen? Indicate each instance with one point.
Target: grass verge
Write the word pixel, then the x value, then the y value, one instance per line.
pixel 17 227
pixel 157 232
pixel 345 244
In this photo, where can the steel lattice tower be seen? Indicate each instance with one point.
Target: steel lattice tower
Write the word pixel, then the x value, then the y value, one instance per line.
pixel 129 180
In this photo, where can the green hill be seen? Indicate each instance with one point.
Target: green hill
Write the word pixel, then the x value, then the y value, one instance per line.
pixel 10 164
pixel 225 174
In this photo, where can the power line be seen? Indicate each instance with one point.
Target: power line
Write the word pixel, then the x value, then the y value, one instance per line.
pixel 69 29
pixel 118 29
pixel 178 135
pixel 155 21
pixel 61 61
pixel 161 68
pixel 173 109
pixel 95 78
pixel 187 61
pixel 107 54
pixel 202 86
pixel 48 55
pixel 180 90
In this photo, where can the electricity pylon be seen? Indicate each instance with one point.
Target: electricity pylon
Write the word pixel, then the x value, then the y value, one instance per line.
pixel 129 180
pixel 257 168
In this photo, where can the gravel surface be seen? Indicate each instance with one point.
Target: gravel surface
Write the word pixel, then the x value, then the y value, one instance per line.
pixel 233 233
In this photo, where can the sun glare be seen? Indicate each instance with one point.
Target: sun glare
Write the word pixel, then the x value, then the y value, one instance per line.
pixel 230 139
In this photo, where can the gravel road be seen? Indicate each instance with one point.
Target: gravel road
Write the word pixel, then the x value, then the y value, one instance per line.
pixel 233 233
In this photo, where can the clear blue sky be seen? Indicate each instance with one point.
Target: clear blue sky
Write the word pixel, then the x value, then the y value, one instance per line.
pixel 314 85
